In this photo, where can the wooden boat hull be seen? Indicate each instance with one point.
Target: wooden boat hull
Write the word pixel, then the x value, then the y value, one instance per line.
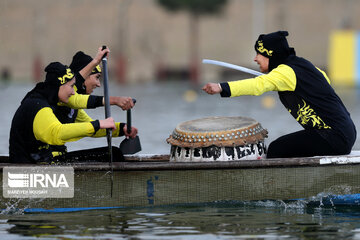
pixel 153 181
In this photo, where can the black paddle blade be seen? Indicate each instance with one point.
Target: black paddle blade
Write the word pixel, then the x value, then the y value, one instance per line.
pixel 130 145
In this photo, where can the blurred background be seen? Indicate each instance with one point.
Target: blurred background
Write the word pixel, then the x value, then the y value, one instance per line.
pixel 156 51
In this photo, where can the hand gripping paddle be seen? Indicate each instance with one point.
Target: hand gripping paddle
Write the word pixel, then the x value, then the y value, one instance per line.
pixel 130 145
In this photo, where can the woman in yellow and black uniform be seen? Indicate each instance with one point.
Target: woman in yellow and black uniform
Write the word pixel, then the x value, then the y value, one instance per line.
pixel 87 73
pixel 36 135
pixel 306 93
pixel 85 87
pixel 66 114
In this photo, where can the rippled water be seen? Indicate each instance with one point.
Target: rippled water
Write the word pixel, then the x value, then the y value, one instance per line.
pixel 259 220
pixel 158 110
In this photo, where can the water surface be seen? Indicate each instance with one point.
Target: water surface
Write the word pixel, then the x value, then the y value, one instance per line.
pixel 259 220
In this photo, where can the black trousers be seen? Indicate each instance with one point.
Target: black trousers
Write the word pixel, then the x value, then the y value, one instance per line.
pixel 304 143
pixel 95 154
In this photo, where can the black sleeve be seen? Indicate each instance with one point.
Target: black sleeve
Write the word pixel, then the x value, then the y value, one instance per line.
pixel 94 101
pixel 225 90
pixel 96 125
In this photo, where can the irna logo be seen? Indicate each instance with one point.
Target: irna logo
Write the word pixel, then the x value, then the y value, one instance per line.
pixel 19 180
pixel 38 182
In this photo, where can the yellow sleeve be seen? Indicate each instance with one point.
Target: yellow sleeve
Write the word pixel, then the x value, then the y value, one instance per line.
pixel 77 101
pixel 48 129
pixel 83 117
pixel 102 132
pixel 282 78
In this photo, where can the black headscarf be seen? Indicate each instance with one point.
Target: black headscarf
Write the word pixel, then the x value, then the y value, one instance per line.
pixel 57 74
pixel 79 61
pixel 275 47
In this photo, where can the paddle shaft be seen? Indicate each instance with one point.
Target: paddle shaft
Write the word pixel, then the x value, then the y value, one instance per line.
pixel 107 101
pixel 107 113
pixel 232 66
pixel 128 118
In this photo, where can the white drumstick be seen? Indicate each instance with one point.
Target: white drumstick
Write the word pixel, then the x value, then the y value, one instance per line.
pixel 232 66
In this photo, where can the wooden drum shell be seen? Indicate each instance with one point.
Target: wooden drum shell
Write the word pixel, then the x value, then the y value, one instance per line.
pixel 218 139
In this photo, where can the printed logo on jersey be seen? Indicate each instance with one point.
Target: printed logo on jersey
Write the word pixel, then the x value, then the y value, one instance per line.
pixel 306 115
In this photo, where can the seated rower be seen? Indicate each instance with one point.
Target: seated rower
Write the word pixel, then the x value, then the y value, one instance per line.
pixel 36 134
pixel 88 73
pixel 81 99
pixel 306 93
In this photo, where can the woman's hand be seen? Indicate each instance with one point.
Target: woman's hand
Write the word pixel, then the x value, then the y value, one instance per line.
pixel 100 54
pixel 212 88
pixel 108 123
pixel 125 103
pixel 133 132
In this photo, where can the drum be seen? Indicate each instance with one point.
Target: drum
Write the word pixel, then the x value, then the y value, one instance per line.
pixel 218 139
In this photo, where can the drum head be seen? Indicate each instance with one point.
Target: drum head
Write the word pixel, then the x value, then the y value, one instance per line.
pixel 215 124
pixel 218 131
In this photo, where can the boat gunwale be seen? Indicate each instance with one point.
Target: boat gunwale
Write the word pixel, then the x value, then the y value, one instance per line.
pixel 161 162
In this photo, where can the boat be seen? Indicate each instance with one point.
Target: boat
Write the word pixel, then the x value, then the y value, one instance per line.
pixel 146 180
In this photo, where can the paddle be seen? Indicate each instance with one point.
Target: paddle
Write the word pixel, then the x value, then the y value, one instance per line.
pixel 130 145
pixel 107 115
pixel 232 66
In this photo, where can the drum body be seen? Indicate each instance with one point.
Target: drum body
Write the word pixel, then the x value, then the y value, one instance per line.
pixel 218 139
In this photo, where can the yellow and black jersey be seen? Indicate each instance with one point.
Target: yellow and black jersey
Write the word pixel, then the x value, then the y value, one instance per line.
pixel 306 93
pixel 82 116
pixel 73 112
pixel 67 112
pixel 82 101
pixel 35 128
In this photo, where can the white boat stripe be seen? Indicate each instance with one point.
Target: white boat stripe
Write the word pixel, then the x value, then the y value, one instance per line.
pixel 339 160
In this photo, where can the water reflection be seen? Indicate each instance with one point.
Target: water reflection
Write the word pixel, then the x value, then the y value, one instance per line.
pixel 213 221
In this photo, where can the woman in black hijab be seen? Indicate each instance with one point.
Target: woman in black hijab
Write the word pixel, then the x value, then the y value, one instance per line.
pixel 36 135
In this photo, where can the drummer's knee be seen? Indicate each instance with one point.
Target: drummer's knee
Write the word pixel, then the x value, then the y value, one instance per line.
pixel 274 150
